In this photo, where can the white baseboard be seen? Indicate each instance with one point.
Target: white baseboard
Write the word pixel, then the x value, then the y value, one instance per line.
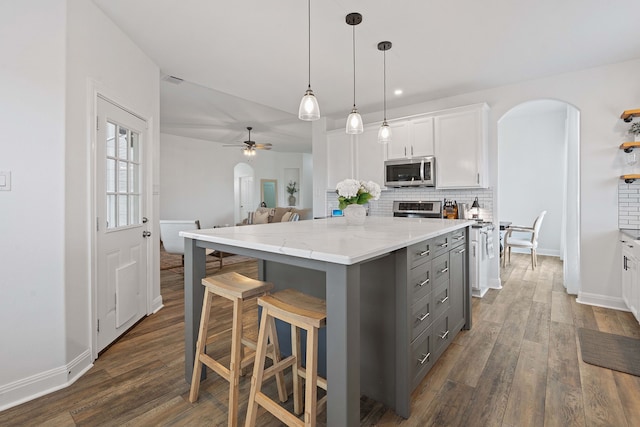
pixel 156 305
pixel 615 303
pixel 38 385
pixel 495 283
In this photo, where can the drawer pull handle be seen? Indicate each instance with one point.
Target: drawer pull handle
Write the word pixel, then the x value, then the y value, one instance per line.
pixel 461 251
pixel 424 316
pixel 424 253
pixel 444 270
pixel 443 300
pixel 444 245
pixel 444 335
pixel 425 357
pixel 421 284
pixel 458 238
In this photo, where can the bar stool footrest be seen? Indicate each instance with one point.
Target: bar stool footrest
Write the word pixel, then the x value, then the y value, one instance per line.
pixel 278 411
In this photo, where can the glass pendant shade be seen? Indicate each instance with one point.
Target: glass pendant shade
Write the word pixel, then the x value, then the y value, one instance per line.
pixel 309 109
pixel 384 133
pixel 354 123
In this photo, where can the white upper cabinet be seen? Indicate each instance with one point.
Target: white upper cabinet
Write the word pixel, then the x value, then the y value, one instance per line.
pixel 460 147
pixel 370 156
pixel 421 136
pixel 339 158
pixel 411 138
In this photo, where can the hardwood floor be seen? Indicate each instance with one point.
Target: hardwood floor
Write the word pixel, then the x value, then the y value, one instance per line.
pixel 519 366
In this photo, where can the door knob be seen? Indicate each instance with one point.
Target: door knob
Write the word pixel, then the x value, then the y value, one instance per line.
pixel 144 220
pixel 146 233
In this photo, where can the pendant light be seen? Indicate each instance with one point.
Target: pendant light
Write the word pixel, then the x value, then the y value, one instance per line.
pixel 354 121
pixel 309 109
pixel 384 134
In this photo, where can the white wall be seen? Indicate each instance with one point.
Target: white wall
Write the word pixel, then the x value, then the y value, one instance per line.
pixel 32 119
pixel 197 178
pixel 51 50
pixel 600 94
pixel 531 172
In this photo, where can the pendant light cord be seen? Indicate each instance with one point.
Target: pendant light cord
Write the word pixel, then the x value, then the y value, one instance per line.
pixel 384 83
pixel 354 66
pixel 309 39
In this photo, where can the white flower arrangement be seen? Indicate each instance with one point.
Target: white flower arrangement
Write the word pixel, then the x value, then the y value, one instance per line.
pixel 352 191
pixel 634 129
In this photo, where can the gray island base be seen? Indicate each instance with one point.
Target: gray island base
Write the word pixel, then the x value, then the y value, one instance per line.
pixel 397 293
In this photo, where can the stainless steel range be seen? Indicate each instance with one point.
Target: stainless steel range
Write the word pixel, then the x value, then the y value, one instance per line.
pixel 417 209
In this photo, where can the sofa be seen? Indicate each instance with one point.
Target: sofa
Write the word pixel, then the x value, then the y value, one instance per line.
pixel 279 214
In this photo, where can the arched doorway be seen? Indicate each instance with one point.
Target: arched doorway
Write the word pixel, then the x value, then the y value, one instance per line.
pixel 243 179
pixel 539 169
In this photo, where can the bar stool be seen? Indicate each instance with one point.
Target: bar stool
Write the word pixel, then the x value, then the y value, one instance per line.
pixel 237 288
pixel 302 312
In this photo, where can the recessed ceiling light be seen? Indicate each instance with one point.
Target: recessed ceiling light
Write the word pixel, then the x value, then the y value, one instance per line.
pixel 397 92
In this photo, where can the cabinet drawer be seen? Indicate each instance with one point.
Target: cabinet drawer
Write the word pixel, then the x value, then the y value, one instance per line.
pixel 440 299
pixel 420 281
pixel 421 316
pixel 458 237
pixel 441 336
pixel 420 253
pixel 440 269
pixel 421 357
pixel 440 244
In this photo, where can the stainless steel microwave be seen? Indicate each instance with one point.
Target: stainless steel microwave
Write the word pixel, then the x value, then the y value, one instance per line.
pixel 415 172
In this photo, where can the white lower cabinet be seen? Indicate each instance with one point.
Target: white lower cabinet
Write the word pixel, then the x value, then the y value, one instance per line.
pixel 630 278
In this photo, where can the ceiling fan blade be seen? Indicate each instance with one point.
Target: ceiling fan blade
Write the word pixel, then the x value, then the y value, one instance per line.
pixel 233 145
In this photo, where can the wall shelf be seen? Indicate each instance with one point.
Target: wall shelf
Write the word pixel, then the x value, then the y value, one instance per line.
pixel 629 178
pixel 628 115
pixel 629 146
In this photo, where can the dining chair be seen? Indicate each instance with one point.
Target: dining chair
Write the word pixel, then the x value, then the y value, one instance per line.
pixel 531 244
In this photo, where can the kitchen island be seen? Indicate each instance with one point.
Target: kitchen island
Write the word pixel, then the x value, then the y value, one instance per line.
pixel 389 293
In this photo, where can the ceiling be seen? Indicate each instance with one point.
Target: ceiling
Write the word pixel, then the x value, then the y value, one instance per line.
pixel 244 62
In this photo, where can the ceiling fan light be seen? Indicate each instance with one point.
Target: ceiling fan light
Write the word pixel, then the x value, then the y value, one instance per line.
pixel 384 133
pixel 309 108
pixel 354 123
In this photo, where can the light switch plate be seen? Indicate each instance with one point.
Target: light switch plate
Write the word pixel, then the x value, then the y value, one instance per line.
pixel 5 180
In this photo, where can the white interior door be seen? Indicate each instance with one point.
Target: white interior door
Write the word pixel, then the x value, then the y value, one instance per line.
pixel 121 235
pixel 246 196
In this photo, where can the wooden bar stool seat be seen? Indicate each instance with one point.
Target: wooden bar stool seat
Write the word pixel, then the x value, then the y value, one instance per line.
pixel 301 311
pixel 236 288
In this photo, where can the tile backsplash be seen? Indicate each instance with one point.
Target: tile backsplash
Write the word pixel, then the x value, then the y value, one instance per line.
pixel 629 205
pixel 384 206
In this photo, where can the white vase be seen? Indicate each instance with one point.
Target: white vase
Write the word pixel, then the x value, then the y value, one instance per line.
pixel 355 214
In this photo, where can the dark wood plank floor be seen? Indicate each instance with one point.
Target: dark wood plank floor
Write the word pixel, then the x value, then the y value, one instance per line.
pixel 520 365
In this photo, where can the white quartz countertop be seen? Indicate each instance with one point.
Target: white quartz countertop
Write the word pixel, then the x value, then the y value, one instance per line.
pixel 331 239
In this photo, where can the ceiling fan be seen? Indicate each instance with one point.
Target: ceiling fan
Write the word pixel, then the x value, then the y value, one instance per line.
pixel 249 147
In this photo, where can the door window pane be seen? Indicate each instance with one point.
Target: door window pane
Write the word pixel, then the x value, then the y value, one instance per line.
pixel 111 140
pixel 122 177
pixel 135 147
pixel 123 143
pixel 111 176
pixel 111 211
pixel 134 210
pixel 134 180
pixel 123 207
